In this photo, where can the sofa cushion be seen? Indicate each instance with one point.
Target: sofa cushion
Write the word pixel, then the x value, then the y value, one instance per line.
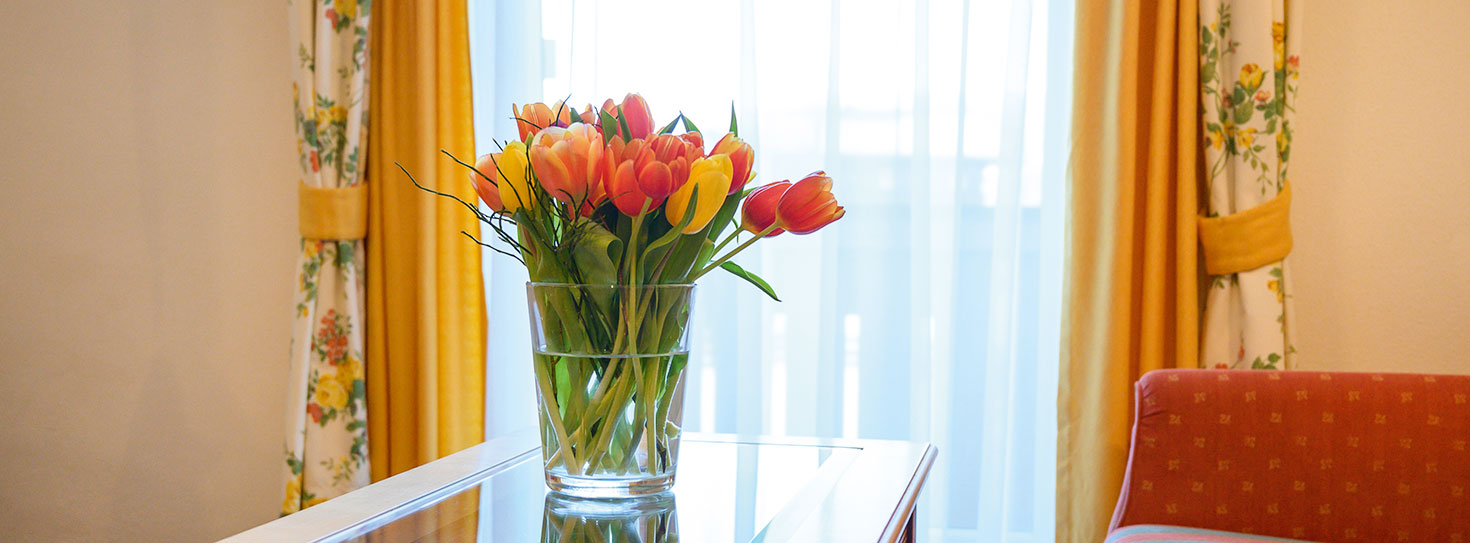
pixel 1158 533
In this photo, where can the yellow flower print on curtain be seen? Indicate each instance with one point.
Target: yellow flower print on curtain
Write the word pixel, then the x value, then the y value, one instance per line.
pixel 1249 67
pixel 326 425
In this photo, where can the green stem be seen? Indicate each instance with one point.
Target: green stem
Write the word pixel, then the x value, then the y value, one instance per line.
pixel 548 395
pixel 731 254
pixel 728 239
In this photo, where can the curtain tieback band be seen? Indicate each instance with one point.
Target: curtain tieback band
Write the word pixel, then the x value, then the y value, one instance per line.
pixel 333 213
pixel 1250 239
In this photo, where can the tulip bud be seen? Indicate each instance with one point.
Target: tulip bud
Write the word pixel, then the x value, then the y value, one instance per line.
pixel 808 205
pixel 712 175
pixel 533 118
pixel 515 189
pixel 485 185
pixel 759 210
pixel 741 156
pixel 640 121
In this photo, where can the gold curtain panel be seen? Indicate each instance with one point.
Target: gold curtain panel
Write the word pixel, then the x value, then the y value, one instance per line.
pixel 1250 239
pixel 333 213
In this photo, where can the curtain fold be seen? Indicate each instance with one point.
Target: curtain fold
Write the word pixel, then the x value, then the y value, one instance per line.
pixel 1132 288
pixel 425 295
pixel 326 437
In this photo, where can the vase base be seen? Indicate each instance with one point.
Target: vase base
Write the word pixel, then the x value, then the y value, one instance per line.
pixel 609 487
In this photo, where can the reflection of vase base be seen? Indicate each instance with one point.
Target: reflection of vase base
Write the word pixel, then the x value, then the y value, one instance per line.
pixel 609 487
pixel 562 505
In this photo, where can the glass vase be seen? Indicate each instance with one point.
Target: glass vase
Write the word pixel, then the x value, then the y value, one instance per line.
pixel 609 365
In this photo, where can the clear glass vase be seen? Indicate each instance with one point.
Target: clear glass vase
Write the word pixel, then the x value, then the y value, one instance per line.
pixel 609 364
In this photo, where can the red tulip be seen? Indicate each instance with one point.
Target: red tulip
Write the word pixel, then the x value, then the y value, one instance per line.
pixel 808 205
pixel 568 161
pixel 741 155
pixel 487 188
pixel 759 210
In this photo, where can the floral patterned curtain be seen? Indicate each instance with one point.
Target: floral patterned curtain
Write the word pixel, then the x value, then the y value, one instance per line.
pixel 326 439
pixel 1248 81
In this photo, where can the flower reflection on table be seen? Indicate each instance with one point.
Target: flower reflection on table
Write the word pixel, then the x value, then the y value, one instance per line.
pixel 576 520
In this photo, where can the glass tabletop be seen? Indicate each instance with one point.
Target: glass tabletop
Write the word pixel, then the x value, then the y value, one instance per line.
pixel 725 492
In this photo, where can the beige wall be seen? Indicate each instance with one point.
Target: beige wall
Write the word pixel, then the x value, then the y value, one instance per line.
pixel 1382 174
pixel 147 239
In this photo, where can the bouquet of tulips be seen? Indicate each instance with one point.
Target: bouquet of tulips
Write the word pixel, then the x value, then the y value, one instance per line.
pixel 615 219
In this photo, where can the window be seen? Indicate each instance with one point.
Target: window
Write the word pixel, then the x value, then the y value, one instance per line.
pixel 929 312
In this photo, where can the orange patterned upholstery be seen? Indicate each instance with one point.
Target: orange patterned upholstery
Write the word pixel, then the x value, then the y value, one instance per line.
pixel 1331 457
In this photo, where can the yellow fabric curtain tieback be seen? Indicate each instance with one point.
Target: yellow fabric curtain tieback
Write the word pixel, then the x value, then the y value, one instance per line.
pixel 1250 239
pixel 333 213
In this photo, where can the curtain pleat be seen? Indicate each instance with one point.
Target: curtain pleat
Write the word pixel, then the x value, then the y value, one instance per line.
pixel 1132 287
pixel 425 295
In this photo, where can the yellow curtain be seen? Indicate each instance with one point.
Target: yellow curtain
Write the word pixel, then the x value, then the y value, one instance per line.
pixel 425 294
pixel 1132 274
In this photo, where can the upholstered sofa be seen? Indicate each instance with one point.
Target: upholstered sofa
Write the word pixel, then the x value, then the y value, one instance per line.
pixel 1297 455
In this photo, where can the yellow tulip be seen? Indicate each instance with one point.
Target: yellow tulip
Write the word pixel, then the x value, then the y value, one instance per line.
pixel 712 175
pixel 515 189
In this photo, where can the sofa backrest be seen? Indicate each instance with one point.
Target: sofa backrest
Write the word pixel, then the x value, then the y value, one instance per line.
pixel 1321 456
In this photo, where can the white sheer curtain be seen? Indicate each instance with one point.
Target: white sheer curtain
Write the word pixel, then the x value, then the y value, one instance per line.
pixel 931 311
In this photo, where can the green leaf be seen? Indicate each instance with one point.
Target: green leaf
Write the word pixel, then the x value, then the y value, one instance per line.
pixel 670 127
pixel 1243 113
pixel 752 278
pixel 688 124
pixel 609 124
pixel 596 256
pixel 623 123
pixel 733 128
pixel 1273 357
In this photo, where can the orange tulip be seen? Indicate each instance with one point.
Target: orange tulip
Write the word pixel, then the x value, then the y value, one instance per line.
pixel 621 174
pixel 635 111
pixel 741 155
pixel 808 205
pixel 677 153
pixel 533 118
pixel 759 210
pixel 568 161
pixel 487 188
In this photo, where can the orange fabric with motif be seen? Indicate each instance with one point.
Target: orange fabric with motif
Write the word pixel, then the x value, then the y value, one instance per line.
pixel 1321 456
